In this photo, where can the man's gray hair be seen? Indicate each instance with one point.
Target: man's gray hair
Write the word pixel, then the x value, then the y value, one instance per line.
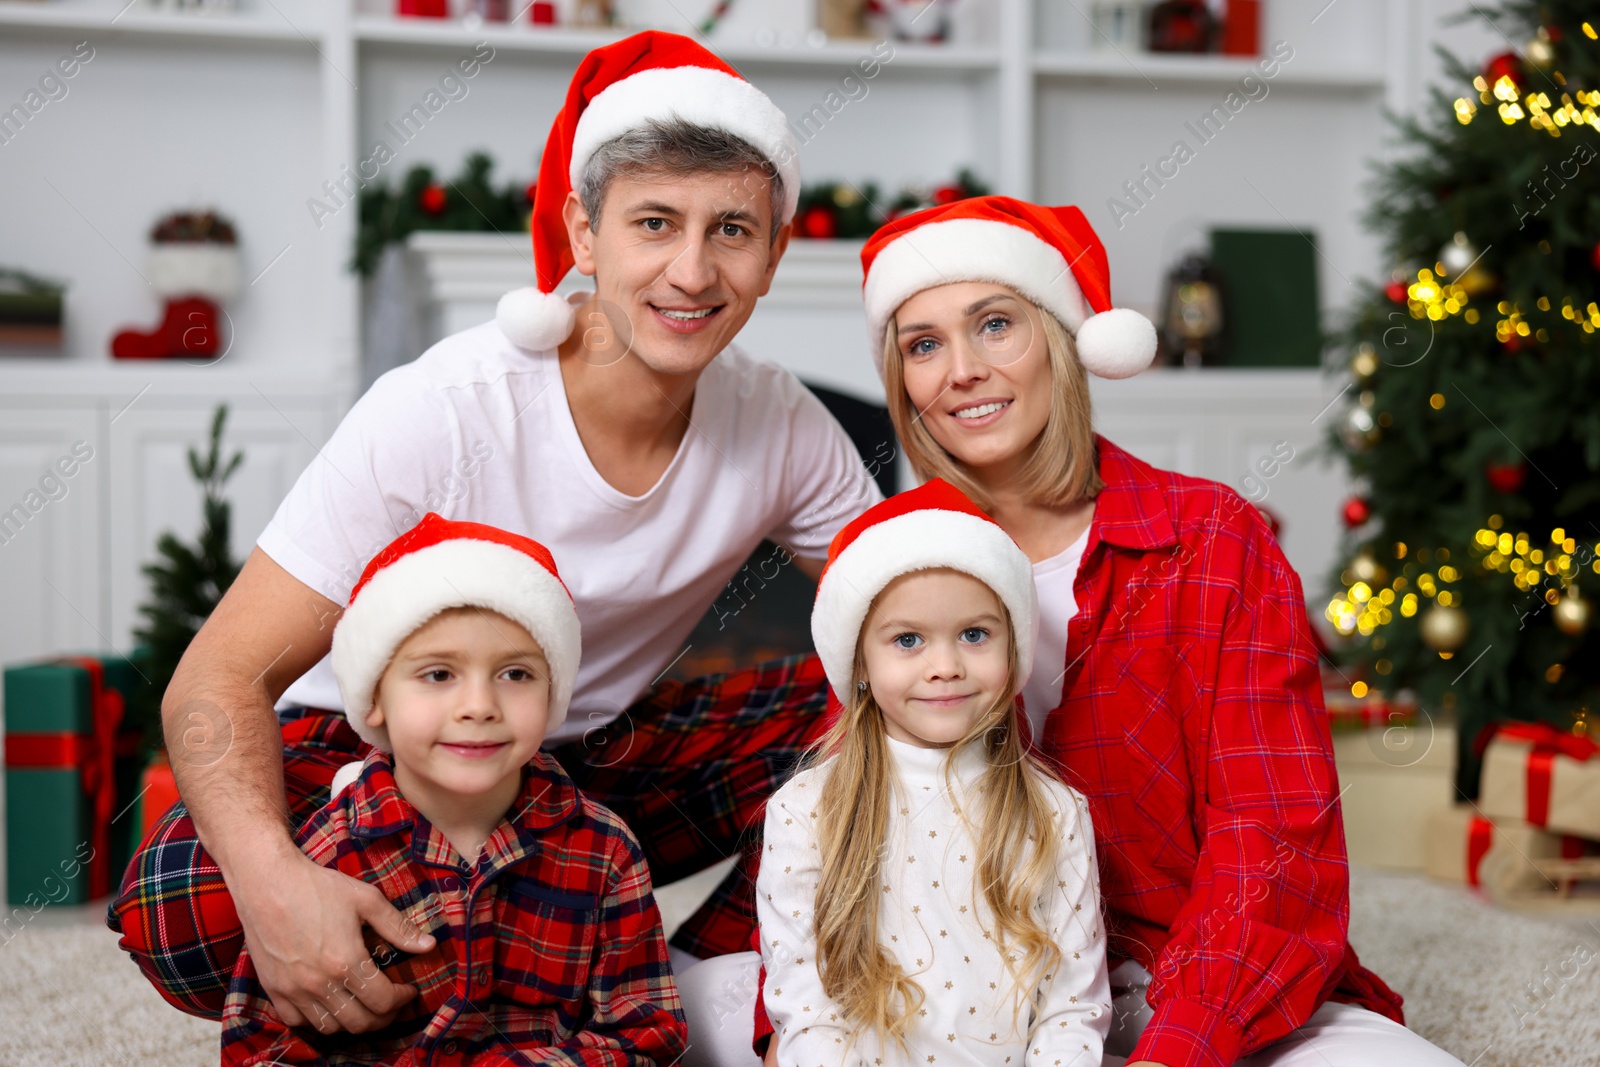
pixel 676 147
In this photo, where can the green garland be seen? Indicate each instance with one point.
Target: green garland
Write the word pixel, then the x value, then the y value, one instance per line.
pixel 858 211
pixel 470 202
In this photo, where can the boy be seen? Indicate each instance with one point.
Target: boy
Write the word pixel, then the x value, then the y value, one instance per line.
pixel 455 657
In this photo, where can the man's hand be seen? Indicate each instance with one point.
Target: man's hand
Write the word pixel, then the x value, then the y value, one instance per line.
pixel 303 925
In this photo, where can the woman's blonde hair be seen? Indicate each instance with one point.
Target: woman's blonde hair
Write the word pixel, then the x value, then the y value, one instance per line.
pixel 1017 855
pixel 1060 470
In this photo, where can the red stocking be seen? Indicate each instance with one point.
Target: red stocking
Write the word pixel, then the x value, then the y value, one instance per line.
pixel 188 329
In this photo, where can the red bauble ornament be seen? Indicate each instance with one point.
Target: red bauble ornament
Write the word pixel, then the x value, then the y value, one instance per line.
pixel 819 221
pixel 1512 343
pixel 1506 477
pixel 433 199
pixel 1594 256
pixel 1397 292
pixel 947 194
pixel 1356 512
pixel 1504 65
pixel 529 191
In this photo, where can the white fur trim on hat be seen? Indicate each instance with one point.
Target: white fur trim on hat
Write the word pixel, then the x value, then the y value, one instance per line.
pixel 1112 344
pixel 400 598
pixel 917 541
pixel 194 268
pixel 534 320
pixel 698 95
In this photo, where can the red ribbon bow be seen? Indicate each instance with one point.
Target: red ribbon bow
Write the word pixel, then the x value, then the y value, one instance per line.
pixel 1548 743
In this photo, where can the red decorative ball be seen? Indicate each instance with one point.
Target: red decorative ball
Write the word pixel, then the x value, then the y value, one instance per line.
pixel 1512 343
pixel 530 190
pixel 1356 512
pixel 1397 292
pixel 947 194
pixel 819 221
pixel 1505 65
pixel 1594 256
pixel 433 199
pixel 1506 477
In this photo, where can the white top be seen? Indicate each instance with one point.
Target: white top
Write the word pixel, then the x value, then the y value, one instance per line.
pixel 933 922
pixel 1053 579
pixel 478 429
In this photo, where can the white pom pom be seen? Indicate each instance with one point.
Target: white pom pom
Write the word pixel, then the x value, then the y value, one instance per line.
pixel 1116 344
pixel 534 320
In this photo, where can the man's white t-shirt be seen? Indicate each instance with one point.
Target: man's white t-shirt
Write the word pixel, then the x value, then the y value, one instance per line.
pixel 479 430
pixel 1053 579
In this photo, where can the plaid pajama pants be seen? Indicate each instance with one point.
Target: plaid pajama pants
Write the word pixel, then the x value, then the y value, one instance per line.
pixel 688 768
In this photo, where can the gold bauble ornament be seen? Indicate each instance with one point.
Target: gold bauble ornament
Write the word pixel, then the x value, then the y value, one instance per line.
pixel 1458 255
pixel 1444 628
pixel 1359 430
pixel 1572 613
pixel 1540 53
pixel 1364 364
pixel 1463 266
pixel 1366 568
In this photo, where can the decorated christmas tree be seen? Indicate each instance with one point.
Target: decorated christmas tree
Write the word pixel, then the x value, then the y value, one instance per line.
pixel 1473 556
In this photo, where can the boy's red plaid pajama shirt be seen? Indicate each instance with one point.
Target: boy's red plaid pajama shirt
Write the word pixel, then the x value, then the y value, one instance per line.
pixel 548 948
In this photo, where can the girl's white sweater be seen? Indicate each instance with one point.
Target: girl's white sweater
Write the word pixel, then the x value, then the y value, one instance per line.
pixel 931 920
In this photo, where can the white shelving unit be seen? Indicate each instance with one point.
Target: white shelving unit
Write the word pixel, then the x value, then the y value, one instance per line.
pixel 262 112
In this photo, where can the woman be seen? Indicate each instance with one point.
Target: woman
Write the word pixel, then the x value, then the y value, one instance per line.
pixel 1175 684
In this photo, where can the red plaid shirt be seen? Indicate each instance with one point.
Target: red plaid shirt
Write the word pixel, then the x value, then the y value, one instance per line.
pixel 1192 720
pixel 548 951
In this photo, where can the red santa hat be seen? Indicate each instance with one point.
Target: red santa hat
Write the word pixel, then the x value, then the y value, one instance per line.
pixel 1050 255
pixel 934 525
pixel 436 565
pixel 617 88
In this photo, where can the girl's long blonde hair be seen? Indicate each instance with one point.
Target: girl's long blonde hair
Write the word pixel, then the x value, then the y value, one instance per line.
pixel 1014 836
pixel 1060 470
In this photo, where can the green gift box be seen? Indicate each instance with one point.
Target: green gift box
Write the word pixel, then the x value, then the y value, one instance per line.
pixel 72 770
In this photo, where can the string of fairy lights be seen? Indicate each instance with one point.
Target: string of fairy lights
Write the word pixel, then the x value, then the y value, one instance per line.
pixel 1370 599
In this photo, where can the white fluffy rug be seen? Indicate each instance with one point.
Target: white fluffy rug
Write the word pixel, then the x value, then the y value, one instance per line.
pixel 1495 988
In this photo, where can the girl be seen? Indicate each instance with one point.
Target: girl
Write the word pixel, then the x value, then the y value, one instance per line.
pixel 927 893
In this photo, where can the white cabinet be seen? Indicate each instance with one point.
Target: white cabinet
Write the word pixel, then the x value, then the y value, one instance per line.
pixel 152 490
pixel 72 545
pixel 53 482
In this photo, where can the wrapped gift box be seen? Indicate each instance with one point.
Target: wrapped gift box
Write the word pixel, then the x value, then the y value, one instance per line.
pixel 72 770
pixel 1392 779
pixel 1464 846
pixel 1536 774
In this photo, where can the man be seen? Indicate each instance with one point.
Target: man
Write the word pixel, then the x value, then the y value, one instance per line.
pixel 611 432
